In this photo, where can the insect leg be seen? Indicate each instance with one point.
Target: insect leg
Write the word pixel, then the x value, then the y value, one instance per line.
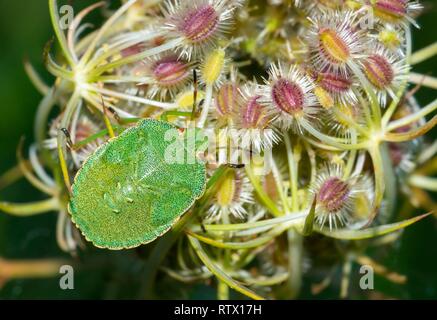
pixel 80 144
pixel 67 135
pixel 106 120
pixel 121 120
pixel 193 111
pixel 189 114
pixel 63 164
pixel 164 115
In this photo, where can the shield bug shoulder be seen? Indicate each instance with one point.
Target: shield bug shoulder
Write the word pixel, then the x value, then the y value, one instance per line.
pixel 127 193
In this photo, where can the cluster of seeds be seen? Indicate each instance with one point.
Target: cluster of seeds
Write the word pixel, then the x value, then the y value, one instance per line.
pixel 316 91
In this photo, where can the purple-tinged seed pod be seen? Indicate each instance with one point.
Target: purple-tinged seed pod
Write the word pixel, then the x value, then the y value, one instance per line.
pixel 288 96
pixel 333 194
pixel 379 71
pixel 336 41
pixel 386 71
pixel 227 99
pixel 253 115
pixel 170 71
pixel 339 197
pixel 334 83
pixel 396 11
pixel 200 23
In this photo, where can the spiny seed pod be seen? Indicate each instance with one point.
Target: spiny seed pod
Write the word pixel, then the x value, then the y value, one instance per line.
pixel 395 11
pixel 338 88
pixel 168 74
pixel 82 129
pixel 212 67
pixel 253 115
pixel 385 71
pixel 254 121
pixel 336 196
pixel 198 23
pixel 333 47
pixel 228 190
pixel 335 41
pixel 233 193
pixel 333 194
pixel 170 71
pixel 341 114
pixel 324 97
pixel 288 95
pixel 227 99
pixel 379 71
pixel 334 83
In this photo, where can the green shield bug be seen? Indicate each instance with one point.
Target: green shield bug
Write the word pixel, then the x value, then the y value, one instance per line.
pixel 127 193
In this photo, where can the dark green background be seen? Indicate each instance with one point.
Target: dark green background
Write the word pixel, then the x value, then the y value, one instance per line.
pixel 24 30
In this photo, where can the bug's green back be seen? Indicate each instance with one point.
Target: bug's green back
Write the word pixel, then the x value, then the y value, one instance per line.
pixel 127 194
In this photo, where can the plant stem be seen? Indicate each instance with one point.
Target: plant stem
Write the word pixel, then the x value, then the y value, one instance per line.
pixel 59 33
pixel 424 54
pixel 263 196
pixel 295 251
pixel 413 117
pixel 219 273
pixel 31 208
pixel 222 291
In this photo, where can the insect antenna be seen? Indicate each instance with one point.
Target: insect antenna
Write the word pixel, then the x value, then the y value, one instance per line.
pixel 202 226
pixel 115 115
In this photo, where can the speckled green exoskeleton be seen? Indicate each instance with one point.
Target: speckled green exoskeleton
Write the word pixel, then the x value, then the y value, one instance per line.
pixel 127 193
